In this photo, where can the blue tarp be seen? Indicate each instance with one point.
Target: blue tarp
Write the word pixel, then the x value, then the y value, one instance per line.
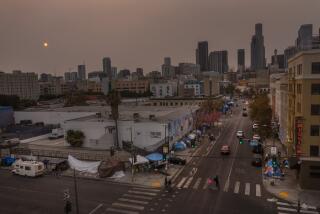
pixel 7 161
pixel 154 157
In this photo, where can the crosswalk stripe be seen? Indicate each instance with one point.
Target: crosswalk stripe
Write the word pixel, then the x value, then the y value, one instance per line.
pixel 196 185
pixel 142 193
pixel 283 203
pixel 308 211
pixel 146 189
pixel 181 182
pixel 186 185
pixel 237 187
pixel 247 189
pixel 132 201
pixel 137 196
pixel 258 190
pixel 205 186
pixel 286 209
pixel 130 206
pixel 121 211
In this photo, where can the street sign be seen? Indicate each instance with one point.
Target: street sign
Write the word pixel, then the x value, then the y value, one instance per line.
pixel 66 194
pixel 273 150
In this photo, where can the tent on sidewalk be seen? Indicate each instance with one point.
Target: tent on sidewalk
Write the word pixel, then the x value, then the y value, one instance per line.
pixel 83 166
pixel 140 160
pixel 155 156
pixel 178 146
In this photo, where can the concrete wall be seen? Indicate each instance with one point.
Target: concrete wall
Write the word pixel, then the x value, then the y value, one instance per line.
pixel 49 117
pixel 310 175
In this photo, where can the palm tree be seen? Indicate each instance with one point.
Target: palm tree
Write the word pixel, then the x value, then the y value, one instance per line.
pixel 113 99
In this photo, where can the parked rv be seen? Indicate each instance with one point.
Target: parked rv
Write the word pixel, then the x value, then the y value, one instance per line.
pixel 56 133
pixel 28 168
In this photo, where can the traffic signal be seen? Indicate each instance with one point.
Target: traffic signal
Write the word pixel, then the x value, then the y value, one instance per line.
pixel 240 141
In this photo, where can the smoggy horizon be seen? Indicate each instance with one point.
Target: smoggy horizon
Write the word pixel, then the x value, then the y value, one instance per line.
pixel 140 33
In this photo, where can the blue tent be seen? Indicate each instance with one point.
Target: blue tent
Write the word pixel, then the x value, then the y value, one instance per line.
pixel 179 146
pixel 155 157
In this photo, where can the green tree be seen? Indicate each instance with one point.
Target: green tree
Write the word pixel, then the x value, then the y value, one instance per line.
pixel 114 99
pixel 261 112
pixel 75 138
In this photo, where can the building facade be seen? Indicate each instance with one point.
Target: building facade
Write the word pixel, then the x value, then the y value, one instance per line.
pixel 304 103
pixel 241 60
pixel 258 60
pixel 23 85
pixel 82 75
pixel 202 55
pixel 137 86
pixel 168 71
pixel 218 61
pixel 195 86
pixel 164 89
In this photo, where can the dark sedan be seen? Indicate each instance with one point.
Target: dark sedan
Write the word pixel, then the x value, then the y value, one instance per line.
pixel 177 161
pixel 257 161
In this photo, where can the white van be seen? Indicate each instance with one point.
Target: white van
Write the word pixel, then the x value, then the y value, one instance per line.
pixel 28 168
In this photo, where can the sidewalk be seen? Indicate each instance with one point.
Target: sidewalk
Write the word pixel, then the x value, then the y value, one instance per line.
pixel 288 188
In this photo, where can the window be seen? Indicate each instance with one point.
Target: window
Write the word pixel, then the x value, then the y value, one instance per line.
pixel 28 168
pixel 315 68
pixel 299 88
pixel 314 151
pixel 315 109
pixel 299 107
pixel 314 130
pixel 315 89
pixel 299 69
pixel 155 134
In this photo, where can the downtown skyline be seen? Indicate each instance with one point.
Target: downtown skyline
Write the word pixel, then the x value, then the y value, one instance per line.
pixel 138 37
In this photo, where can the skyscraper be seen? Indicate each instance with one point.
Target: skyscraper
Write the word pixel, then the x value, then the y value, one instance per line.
pixel 241 60
pixel 258 60
pixel 202 55
pixel 304 40
pixel 82 72
pixel 106 67
pixel 218 61
pixel 168 71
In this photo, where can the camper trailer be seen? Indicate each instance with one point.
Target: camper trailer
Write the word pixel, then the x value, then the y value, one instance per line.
pixel 28 168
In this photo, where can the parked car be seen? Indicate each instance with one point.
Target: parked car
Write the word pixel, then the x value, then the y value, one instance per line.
pixel 177 161
pixel 255 126
pixel 257 149
pixel 257 160
pixel 225 150
pixel 240 134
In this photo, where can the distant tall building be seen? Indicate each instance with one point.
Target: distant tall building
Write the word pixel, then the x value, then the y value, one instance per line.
pixel 45 77
pixel 124 74
pixel 168 71
pixel 218 61
pixel 202 55
pixel 188 68
pixel 258 60
pixel 278 60
pixel 23 85
pixel 241 60
pixel 82 75
pixel 114 72
pixel 288 53
pixel 139 72
pixel 71 76
pixel 106 67
pixel 304 40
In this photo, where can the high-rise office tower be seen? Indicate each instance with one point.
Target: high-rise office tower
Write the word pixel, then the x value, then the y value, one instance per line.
pixel 139 72
pixel 202 55
pixel 168 71
pixel 167 61
pixel 241 60
pixel 218 61
pixel 82 72
pixel 258 60
pixel 106 67
pixel 114 72
pixel 304 40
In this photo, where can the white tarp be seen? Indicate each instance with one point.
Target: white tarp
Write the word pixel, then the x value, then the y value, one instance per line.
pixel 192 136
pixel 83 166
pixel 140 160
pixel 118 174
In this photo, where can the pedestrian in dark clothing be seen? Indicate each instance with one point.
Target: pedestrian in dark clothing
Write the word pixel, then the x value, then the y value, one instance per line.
pixel 216 180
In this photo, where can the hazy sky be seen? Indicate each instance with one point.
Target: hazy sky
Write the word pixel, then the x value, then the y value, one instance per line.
pixel 139 33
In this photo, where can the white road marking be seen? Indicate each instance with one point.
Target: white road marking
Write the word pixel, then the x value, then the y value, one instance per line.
pixel 95 209
pixel 308 211
pixel 258 190
pixel 283 203
pixel 237 187
pixel 137 196
pixel 187 184
pixel 196 185
pixel 181 182
pixel 286 209
pixel 121 211
pixel 247 189
pixel 132 201
pixel 130 206
pixel 142 193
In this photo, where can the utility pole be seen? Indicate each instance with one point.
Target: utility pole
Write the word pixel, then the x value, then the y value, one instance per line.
pixel 132 156
pixel 76 190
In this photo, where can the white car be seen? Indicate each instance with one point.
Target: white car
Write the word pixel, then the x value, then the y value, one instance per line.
pixel 255 126
pixel 240 134
pixel 256 137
